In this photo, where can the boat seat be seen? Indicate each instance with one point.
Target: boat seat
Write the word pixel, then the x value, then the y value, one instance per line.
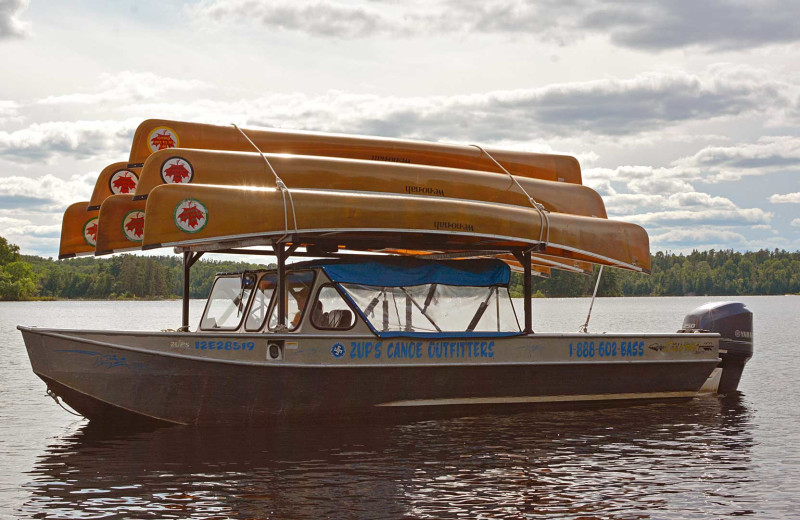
pixel 317 314
pixel 337 319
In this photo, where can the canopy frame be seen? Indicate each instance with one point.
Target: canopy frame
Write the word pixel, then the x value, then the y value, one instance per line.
pixel 282 253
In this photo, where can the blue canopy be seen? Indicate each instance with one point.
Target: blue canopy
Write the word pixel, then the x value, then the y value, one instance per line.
pixel 404 272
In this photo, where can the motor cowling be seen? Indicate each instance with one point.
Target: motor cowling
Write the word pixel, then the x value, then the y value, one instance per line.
pixel 735 324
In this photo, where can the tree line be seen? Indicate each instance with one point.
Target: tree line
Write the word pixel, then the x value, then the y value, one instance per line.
pixel 131 276
pixel 713 273
pixel 125 276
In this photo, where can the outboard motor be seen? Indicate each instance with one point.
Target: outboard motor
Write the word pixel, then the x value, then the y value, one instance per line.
pixel 735 324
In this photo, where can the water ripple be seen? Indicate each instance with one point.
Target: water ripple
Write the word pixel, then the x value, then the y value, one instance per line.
pixel 704 458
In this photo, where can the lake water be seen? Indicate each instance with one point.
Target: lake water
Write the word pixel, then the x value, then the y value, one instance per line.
pixel 707 458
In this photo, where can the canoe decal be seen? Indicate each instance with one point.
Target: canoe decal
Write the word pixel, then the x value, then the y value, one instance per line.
pixel 90 231
pixel 176 170
pixel 133 225
pixel 123 182
pixel 161 138
pixel 191 215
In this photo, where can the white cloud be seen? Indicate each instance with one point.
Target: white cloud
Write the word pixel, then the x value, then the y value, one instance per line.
pixel 729 163
pixel 676 209
pixel 9 113
pixel 329 19
pixel 650 102
pixel 646 105
pixel 676 217
pixel 35 231
pixel 127 87
pixel 698 199
pixel 8 109
pixel 47 192
pixel 15 227
pixel 711 164
pixel 700 235
pixel 795 223
pixel 82 139
pixel 654 25
pixel 10 24
pixel 785 198
pixel 624 204
pixel 659 186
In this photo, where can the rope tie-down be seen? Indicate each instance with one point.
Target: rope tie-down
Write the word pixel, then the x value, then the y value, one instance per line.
pixel 52 394
pixel 285 191
pixel 544 228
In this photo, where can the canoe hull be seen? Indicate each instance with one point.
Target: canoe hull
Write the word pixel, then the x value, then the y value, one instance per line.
pixel 161 377
pixel 312 172
pixel 153 135
pixel 187 215
pixel 78 231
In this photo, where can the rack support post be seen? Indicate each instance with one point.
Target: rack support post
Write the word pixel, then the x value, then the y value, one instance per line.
pixel 280 255
pixel 527 289
pixel 189 260
pixel 187 269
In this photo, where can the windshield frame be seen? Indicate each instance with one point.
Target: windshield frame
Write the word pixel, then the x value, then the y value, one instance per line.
pixel 265 319
pixel 245 308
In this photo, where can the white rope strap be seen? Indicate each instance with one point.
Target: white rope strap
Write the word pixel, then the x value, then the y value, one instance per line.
pixel 544 228
pixel 280 185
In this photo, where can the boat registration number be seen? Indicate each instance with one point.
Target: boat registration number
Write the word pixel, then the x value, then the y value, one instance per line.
pixel 224 345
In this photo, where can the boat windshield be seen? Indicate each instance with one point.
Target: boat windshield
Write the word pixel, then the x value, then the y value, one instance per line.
pixel 432 308
pixel 227 301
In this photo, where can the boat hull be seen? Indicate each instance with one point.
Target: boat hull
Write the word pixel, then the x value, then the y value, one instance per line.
pixel 162 377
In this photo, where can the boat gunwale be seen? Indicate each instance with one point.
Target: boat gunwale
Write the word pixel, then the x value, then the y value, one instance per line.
pixel 282 364
pixel 295 335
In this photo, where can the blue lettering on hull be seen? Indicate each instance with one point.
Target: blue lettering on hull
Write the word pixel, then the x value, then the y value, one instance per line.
pixel 414 350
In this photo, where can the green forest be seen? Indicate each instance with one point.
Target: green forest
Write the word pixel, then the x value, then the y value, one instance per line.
pixel 132 276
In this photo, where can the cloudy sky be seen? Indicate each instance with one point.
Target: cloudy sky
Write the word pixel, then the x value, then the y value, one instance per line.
pixel 683 113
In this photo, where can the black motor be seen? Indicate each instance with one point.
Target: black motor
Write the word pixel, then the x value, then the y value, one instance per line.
pixel 735 324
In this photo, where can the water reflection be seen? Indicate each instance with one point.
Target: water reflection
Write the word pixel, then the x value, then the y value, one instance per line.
pixel 661 460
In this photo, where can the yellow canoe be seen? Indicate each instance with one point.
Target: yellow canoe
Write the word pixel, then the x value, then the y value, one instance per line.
pixel 153 135
pixel 121 225
pixel 114 179
pixel 205 216
pixel 79 229
pixel 250 169
pixel 121 229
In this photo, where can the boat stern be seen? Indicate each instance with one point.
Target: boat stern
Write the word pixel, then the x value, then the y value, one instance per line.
pixel 734 323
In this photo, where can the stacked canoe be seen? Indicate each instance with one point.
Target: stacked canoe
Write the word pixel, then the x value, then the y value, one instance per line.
pixel 205 187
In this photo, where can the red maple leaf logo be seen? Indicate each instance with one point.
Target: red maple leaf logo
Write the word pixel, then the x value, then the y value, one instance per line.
pixel 191 215
pixel 136 225
pixel 92 230
pixel 162 141
pixel 124 183
pixel 177 171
